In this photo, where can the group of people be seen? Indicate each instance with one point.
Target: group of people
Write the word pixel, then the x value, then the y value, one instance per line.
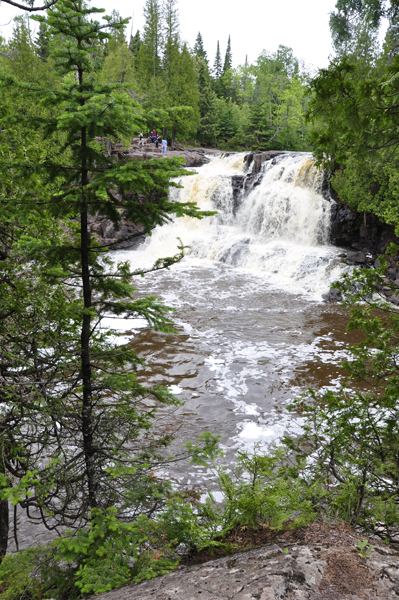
pixel 154 139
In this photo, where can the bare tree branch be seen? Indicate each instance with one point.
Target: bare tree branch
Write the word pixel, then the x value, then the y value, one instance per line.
pixel 32 8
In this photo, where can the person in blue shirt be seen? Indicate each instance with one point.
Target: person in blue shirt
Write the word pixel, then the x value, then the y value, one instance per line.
pixel 164 144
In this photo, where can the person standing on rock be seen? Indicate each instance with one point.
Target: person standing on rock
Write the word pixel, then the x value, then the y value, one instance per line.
pixel 164 145
pixel 141 140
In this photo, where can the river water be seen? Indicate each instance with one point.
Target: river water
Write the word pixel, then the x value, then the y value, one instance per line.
pixel 253 330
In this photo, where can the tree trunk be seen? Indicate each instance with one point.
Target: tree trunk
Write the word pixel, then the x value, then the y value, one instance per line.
pixel 4 526
pixel 172 146
pixel 87 402
pixel 164 133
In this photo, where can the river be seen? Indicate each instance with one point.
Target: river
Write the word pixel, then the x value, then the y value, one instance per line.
pixel 254 332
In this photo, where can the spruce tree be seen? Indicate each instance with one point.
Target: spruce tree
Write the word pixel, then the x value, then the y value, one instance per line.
pixel 171 37
pixel 85 416
pixel 149 63
pixel 135 42
pixel 171 22
pixel 217 72
pixel 183 113
pixel 217 65
pixel 228 60
pixel 42 42
pixel 199 49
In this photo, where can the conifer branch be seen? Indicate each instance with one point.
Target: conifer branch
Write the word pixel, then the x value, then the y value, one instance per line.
pixel 32 8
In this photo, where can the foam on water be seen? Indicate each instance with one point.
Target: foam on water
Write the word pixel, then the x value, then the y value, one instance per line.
pixel 279 230
pixel 246 337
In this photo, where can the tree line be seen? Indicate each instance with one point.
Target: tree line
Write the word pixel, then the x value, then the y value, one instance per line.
pixel 183 93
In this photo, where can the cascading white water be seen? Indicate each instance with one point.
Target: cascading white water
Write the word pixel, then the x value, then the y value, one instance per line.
pixel 286 205
pixel 277 229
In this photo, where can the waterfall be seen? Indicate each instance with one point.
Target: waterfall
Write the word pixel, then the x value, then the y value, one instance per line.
pixel 274 224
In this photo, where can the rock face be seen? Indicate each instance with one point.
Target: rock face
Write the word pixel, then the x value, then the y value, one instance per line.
pixel 317 572
pixel 107 235
pixel 260 157
pixel 367 234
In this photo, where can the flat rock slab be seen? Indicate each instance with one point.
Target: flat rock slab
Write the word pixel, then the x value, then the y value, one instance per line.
pixel 269 573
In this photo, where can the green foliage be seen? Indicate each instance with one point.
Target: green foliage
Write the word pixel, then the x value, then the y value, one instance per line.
pixel 363 549
pixel 103 557
pixel 199 49
pixel 228 58
pixel 79 427
pixel 217 65
pixel 135 43
pixel 352 112
pixel 349 445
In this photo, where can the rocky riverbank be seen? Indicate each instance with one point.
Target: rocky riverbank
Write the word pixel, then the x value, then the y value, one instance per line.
pixel 194 157
pixel 323 565
pixel 102 228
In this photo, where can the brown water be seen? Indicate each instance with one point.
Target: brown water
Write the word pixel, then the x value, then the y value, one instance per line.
pixel 243 352
pixel 253 331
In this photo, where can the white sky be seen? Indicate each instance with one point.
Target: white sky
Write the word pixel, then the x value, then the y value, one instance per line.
pixel 263 25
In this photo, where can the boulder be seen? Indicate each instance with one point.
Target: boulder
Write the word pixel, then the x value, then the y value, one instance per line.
pixel 356 257
pixel 332 296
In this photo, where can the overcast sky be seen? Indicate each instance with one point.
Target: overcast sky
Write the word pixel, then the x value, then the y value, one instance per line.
pixel 257 26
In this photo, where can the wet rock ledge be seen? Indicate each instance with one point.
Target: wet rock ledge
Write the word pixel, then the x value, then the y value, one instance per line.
pixel 329 570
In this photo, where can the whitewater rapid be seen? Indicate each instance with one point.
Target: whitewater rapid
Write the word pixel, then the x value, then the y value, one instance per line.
pixel 253 331
pixel 276 229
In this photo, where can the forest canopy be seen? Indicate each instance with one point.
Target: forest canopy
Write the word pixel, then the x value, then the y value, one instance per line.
pixel 260 105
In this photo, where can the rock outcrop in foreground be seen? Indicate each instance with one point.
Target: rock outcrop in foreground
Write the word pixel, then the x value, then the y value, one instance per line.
pixel 325 571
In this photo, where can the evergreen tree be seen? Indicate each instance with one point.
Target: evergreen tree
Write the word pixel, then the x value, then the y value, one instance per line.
pixel 171 37
pixel 152 38
pixel 119 67
pixel 227 77
pixel 182 95
pixel 228 59
pixel 135 42
pixel 171 22
pixel 148 63
pixel 84 416
pixel 217 72
pixel 217 65
pixel 118 36
pixel 199 49
pixel 42 42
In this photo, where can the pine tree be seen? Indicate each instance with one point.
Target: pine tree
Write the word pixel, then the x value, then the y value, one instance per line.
pixel 42 42
pixel 86 411
pixel 228 60
pixel 135 42
pixel 171 36
pixel 148 62
pixel 217 65
pixel 199 49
